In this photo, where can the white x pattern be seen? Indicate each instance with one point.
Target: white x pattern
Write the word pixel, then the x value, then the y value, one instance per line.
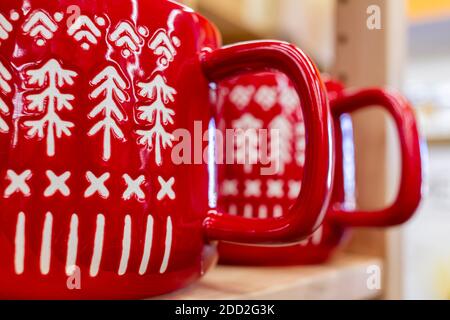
pixel 166 189
pixel 57 184
pixel 275 189
pixel 18 183
pixel 252 188
pixel 230 188
pixel 133 187
pixel 97 185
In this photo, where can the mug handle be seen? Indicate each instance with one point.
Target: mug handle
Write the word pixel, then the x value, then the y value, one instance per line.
pixel 410 192
pixel 308 212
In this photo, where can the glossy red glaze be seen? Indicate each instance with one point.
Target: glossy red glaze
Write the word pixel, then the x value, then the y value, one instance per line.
pixel 307 212
pixel 269 98
pixel 93 95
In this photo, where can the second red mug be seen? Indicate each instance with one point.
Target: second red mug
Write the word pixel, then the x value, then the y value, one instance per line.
pixel 269 101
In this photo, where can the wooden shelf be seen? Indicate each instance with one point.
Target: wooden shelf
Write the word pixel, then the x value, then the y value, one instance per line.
pixel 343 278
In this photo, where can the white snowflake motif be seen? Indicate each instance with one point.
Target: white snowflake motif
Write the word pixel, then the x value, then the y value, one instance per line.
pixel 110 85
pixel 129 38
pixel 281 142
pixel 241 96
pixel 5 78
pixel 156 113
pixel 247 140
pixel 50 100
pixel 289 99
pixel 41 26
pixel 266 97
pixel 85 31
pixel 165 47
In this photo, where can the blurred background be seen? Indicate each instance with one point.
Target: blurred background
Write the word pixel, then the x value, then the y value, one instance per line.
pixel 409 51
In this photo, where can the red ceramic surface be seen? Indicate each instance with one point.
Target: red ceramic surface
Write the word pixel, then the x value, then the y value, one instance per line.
pixel 92 95
pixel 268 100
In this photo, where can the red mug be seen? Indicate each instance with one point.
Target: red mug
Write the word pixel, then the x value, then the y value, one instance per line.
pixel 271 102
pixel 96 91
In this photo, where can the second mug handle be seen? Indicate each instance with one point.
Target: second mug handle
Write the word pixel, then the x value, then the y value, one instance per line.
pixel 410 192
pixel 309 210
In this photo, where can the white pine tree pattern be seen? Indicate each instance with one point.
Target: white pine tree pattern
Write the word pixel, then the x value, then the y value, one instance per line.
pixel 157 114
pixel 5 77
pixel 247 140
pixel 51 77
pixel 111 86
pixel 281 130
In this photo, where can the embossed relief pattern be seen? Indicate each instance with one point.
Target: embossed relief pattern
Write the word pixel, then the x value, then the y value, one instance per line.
pixel 109 90
pixel 51 79
pixel 273 107
pixel 49 94
pixel 244 191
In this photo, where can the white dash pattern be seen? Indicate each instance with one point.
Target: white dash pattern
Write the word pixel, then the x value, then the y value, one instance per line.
pixel 19 255
pixel 147 246
pixel 168 246
pixel 126 245
pixel 46 245
pixel 98 246
pixel 72 246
